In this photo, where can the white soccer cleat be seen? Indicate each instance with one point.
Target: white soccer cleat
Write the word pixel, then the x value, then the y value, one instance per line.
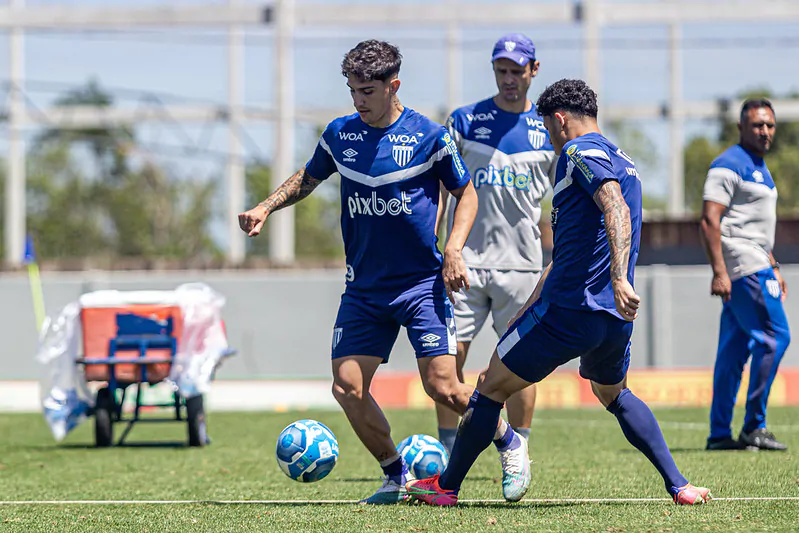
pixel 516 475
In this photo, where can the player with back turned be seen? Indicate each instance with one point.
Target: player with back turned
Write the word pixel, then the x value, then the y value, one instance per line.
pixel 584 305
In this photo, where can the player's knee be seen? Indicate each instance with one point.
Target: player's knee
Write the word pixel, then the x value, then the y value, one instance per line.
pixel 606 393
pixel 442 391
pixel 347 393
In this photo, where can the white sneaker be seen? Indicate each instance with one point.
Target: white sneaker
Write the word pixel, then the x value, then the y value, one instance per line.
pixel 516 475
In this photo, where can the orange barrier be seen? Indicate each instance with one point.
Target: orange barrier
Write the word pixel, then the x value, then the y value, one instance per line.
pixel 566 389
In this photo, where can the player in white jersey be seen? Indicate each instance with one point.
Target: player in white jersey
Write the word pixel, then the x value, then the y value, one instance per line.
pixel 508 153
pixel 392 162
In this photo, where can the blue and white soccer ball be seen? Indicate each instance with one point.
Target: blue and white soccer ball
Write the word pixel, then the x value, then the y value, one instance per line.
pixel 306 451
pixel 424 455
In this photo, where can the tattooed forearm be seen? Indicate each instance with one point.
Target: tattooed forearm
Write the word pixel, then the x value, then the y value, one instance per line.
pixel 617 226
pixel 291 191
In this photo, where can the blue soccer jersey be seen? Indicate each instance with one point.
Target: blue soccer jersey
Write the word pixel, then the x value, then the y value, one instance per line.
pixel 580 275
pixel 389 195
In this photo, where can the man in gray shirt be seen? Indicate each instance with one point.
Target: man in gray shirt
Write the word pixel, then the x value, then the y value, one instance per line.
pixel 509 154
pixel 739 216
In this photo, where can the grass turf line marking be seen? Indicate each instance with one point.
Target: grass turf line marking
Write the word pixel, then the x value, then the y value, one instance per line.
pixel 663 424
pixel 353 502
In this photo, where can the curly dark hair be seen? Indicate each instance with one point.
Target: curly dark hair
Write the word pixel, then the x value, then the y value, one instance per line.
pixel 372 60
pixel 573 96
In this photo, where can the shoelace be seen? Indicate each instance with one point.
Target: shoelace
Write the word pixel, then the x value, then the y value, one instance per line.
pixel 511 461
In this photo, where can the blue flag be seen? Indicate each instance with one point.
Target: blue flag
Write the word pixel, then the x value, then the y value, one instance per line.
pixel 30 252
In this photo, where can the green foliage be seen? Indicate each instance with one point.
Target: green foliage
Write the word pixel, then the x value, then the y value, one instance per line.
pixel 782 160
pixel 317 226
pixel 118 210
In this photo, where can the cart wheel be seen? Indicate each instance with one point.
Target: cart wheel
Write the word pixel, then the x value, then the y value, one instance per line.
pixel 104 419
pixel 195 413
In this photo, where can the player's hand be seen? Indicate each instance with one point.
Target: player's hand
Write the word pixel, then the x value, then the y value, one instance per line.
pixel 252 221
pixel 721 286
pixel 627 301
pixel 783 285
pixel 454 273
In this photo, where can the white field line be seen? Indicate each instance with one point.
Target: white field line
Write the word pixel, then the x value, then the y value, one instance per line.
pixel 663 424
pixel 353 502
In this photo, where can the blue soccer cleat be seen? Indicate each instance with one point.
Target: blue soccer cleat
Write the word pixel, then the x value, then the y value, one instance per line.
pixel 393 491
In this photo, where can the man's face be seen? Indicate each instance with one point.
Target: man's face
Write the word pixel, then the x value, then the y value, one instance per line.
pixel 513 81
pixel 554 125
pixel 371 99
pixel 757 130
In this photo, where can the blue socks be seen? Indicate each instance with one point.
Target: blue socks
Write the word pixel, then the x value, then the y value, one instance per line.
pixel 642 430
pixel 524 432
pixel 447 438
pixel 508 441
pixel 394 468
pixel 476 431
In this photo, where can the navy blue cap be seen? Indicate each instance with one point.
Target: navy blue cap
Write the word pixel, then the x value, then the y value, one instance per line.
pixel 516 47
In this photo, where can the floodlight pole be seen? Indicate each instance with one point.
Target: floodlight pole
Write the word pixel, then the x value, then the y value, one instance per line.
pixel 235 165
pixel 676 198
pixel 15 226
pixel 281 223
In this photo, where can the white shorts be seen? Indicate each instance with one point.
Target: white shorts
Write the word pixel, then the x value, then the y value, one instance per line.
pixel 503 292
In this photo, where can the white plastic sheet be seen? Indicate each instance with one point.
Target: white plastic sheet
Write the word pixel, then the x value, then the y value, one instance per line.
pixel 66 398
pixel 203 343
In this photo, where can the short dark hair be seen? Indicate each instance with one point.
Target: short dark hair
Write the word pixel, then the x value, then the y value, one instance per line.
pixel 573 96
pixel 372 60
pixel 755 103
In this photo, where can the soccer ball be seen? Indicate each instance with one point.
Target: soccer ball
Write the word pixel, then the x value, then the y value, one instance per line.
pixel 424 455
pixel 306 451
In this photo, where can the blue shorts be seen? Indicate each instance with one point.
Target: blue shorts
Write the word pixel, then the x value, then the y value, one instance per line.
pixel 547 336
pixel 368 323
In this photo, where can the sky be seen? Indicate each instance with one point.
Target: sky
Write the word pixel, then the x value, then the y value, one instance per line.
pixel 189 66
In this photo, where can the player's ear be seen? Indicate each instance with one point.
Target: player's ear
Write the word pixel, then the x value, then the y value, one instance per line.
pixel 534 68
pixel 393 86
pixel 562 119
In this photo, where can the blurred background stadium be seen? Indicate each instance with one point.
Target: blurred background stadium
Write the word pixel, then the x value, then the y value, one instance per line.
pixel 134 132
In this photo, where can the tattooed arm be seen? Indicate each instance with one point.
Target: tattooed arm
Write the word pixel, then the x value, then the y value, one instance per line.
pixel 294 189
pixel 618 228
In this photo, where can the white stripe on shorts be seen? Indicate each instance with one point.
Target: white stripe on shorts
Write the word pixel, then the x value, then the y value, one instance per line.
pixel 508 343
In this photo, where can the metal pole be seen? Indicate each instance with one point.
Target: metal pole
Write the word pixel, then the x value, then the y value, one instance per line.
pixel 15 182
pixel 235 165
pixel 454 62
pixel 281 223
pixel 676 203
pixel 591 29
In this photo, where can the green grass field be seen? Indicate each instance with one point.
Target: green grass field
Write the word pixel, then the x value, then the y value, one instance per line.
pixel 577 454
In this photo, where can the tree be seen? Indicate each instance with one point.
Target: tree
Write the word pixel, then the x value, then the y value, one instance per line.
pixel 782 160
pixel 318 236
pixel 120 209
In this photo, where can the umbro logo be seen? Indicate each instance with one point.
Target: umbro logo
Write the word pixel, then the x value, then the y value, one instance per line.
pixel 349 154
pixel 430 340
pixel 482 133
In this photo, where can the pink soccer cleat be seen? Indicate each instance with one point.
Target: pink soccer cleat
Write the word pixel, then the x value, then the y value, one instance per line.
pixel 690 495
pixel 428 491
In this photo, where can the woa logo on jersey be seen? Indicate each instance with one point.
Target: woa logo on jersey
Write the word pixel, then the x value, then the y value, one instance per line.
pixel 502 177
pixel 403 152
pixel 375 206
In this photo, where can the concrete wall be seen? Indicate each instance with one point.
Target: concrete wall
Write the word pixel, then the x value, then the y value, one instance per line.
pixel 281 321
